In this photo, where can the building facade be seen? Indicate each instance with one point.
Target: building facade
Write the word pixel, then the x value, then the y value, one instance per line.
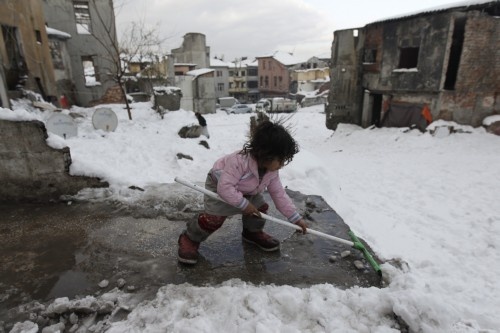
pixel 93 56
pixel 24 51
pixel 447 60
pixel 275 78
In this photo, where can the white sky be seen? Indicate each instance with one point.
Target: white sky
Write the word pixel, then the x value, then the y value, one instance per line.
pixel 428 201
pixel 253 28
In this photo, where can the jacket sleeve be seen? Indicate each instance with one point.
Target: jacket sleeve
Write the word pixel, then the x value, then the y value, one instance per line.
pixel 228 178
pixel 282 201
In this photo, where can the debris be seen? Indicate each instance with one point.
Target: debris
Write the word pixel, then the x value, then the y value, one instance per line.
pixel 181 155
pixel 120 283
pixel 358 264
pixel 103 283
pixel 345 254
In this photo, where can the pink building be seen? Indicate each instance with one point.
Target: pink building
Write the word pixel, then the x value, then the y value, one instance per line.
pixel 275 77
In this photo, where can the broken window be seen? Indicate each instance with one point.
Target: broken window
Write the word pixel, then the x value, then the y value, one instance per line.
pixel 38 36
pixel 90 71
pixel 455 54
pixel 82 16
pixel 16 70
pixel 370 56
pixel 408 57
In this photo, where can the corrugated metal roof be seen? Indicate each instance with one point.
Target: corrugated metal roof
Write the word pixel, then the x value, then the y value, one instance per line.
pixel 441 8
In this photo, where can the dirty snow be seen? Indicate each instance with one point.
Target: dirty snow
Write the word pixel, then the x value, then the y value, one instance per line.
pixel 429 203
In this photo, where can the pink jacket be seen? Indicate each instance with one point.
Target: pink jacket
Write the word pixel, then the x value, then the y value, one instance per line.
pixel 237 175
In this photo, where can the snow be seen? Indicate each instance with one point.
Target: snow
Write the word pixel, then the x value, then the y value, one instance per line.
pixel 436 9
pixel 491 119
pixel 199 72
pixel 428 203
pixel 57 33
pixel 285 58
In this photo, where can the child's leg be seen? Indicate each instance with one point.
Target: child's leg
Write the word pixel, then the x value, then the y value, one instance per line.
pixel 253 226
pixel 198 230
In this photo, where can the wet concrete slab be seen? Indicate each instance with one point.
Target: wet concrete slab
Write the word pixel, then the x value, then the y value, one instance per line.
pixel 56 250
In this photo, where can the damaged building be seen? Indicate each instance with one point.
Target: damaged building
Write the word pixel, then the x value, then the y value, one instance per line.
pixel 442 63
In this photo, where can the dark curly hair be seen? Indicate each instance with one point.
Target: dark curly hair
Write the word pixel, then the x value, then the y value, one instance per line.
pixel 271 141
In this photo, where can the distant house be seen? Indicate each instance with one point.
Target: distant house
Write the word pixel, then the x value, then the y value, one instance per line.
pixel 25 56
pixel 198 92
pixel 311 75
pixel 445 59
pixel 91 25
pixel 274 72
pixel 144 72
pixel 221 78
pixel 243 80
pixel 194 50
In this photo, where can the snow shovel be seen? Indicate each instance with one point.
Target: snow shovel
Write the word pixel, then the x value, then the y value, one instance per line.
pixel 355 243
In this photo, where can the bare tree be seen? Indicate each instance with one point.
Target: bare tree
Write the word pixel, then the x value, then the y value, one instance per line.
pixel 136 40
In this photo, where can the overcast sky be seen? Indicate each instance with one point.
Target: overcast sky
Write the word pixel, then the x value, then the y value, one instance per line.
pixel 237 28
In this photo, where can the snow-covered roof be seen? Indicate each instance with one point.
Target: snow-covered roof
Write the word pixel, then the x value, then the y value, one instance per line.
pixel 198 72
pixel 244 63
pixel 160 90
pixel 214 62
pixel 454 5
pixel 57 33
pixel 184 64
pixel 285 58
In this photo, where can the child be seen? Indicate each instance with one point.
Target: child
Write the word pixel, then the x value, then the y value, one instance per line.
pixel 240 178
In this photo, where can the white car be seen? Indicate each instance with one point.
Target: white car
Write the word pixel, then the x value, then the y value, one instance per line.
pixel 239 108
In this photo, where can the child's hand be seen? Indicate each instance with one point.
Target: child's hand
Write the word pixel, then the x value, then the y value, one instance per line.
pixel 251 210
pixel 301 223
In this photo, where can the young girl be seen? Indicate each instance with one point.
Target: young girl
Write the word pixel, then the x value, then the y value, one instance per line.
pixel 240 178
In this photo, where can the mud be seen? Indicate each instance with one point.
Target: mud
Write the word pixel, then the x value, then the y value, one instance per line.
pixel 56 250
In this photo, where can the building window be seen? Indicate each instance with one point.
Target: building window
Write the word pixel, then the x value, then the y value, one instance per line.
pixel 263 64
pixel 231 73
pixel 90 71
pixel 38 36
pixel 408 57
pixel 266 81
pixel 261 81
pixel 243 73
pixel 252 84
pixel 220 86
pixel 275 81
pixel 252 72
pixel 219 73
pixel 82 17
pixel 230 85
pixel 370 56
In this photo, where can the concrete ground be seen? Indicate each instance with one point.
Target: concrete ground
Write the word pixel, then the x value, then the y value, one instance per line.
pixel 56 250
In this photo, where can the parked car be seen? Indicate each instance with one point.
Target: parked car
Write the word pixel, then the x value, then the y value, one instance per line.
pixel 227 102
pixel 239 108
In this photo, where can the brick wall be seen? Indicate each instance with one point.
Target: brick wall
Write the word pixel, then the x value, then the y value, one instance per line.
pixel 113 95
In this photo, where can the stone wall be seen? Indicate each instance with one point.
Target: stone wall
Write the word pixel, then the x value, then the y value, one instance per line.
pixel 30 170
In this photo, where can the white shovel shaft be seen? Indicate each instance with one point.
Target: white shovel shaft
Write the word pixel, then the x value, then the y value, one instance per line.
pixel 265 216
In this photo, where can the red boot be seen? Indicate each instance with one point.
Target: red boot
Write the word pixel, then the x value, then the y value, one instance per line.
pixel 261 239
pixel 188 250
